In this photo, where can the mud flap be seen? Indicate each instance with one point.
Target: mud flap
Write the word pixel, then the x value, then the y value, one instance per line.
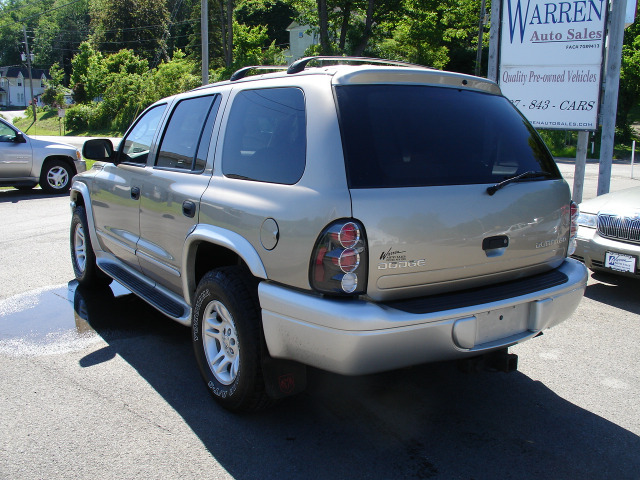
pixel 283 378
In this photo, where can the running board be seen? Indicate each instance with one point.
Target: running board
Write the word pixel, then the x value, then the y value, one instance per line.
pixel 151 294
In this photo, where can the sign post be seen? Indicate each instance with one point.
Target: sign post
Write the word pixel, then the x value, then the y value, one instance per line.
pixel 581 164
pixel 610 103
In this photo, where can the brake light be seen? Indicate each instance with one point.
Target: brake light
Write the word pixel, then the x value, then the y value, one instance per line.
pixel 573 231
pixel 339 259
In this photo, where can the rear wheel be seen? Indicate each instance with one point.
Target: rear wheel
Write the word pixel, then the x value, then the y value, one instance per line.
pixel 83 259
pixel 56 176
pixel 226 338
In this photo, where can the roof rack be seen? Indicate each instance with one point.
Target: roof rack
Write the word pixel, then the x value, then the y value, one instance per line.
pixel 299 65
pixel 238 74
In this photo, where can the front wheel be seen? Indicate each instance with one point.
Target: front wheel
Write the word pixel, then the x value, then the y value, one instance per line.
pixel 56 177
pixel 226 338
pixel 83 259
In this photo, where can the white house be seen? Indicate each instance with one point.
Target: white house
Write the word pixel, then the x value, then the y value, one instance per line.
pixel 15 90
pixel 301 37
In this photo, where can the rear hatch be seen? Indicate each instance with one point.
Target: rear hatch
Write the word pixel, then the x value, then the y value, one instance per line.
pixel 419 161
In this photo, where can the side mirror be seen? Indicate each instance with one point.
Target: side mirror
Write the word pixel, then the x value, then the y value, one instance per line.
pixel 98 149
pixel 19 138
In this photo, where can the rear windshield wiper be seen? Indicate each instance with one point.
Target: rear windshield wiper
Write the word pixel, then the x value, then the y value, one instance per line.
pixel 530 174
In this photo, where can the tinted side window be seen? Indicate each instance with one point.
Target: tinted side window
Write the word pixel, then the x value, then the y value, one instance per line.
pixel 405 136
pixel 186 139
pixel 7 134
pixel 265 139
pixel 135 147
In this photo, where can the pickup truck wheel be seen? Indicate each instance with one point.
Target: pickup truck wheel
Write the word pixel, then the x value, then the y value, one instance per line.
pixel 56 177
pixel 83 258
pixel 226 338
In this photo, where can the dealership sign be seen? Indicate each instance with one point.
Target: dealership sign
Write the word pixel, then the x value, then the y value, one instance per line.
pixel 551 59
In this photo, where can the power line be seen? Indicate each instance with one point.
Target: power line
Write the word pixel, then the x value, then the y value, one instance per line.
pixel 10 20
pixel 20 7
pixel 128 29
pixel 51 10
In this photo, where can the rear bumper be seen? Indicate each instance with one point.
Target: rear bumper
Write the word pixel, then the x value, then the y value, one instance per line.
pixel 354 337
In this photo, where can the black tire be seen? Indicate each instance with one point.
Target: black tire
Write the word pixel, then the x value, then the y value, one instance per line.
pixel 83 259
pixel 56 176
pixel 226 338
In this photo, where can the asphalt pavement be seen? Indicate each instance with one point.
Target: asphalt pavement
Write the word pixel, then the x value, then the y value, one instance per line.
pixel 623 175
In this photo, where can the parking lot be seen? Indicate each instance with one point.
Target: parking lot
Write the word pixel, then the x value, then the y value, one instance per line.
pixel 100 384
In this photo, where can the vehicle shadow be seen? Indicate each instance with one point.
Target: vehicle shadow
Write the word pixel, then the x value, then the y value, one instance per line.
pixel 425 422
pixel 14 195
pixel 614 290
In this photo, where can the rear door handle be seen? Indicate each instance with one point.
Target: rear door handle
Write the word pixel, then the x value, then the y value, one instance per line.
pixel 189 209
pixel 495 246
pixel 135 193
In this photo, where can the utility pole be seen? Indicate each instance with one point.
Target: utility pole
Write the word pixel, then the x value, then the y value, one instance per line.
pixel 26 46
pixel 480 32
pixel 581 164
pixel 494 40
pixel 610 103
pixel 204 33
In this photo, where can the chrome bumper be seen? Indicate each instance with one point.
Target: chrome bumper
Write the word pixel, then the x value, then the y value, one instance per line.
pixel 591 248
pixel 354 337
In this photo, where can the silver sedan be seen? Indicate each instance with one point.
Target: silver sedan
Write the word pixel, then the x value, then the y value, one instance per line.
pixel 609 232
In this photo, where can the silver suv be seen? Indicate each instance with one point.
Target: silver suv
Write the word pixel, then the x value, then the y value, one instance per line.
pixel 355 218
pixel 26 162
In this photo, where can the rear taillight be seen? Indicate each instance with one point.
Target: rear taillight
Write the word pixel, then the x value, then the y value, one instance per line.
pixel 573 232
pixel 339 259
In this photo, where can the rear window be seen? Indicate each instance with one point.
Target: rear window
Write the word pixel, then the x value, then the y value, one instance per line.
pixel 409 136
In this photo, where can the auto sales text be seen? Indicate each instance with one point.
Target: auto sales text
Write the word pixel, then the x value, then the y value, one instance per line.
pixel 567 76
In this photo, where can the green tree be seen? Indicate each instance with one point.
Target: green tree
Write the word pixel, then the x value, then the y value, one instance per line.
pixel 125 86
pixel 418 39
pixel 275 15
pixel 183 27
pixel 53 95
pixel 122 24
pixel 439 33
pixel 88 74
pixel 123 100
pixel 459 21
pixel 629 90
pixel 169 78
pixel 252 47
pixel 14 16
pixel 60 32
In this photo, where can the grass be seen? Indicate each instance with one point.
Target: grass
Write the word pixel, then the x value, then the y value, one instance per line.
pixel 49 123
pixel 563 144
